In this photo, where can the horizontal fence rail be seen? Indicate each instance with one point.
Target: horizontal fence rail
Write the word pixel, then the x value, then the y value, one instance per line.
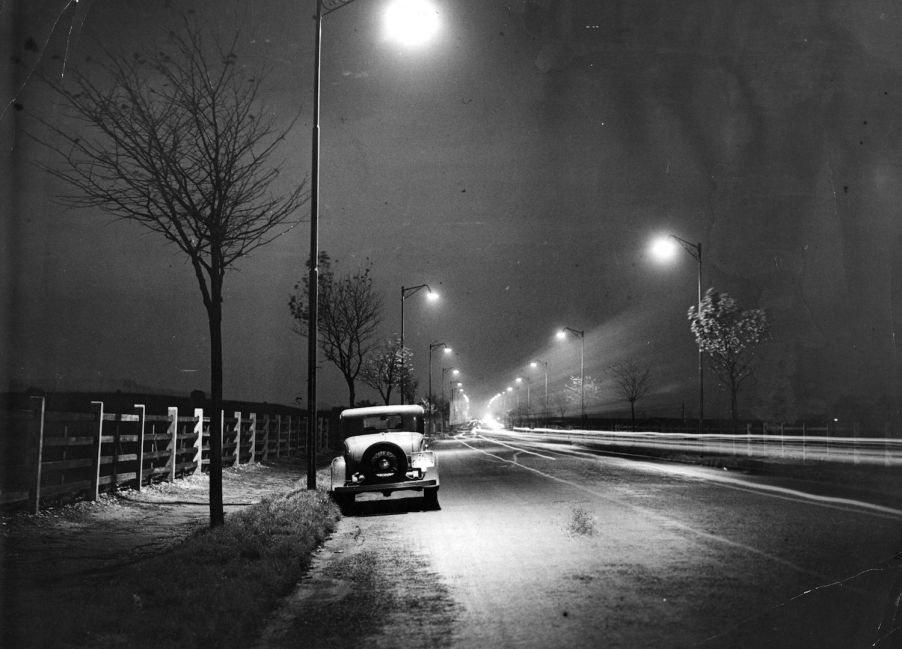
pixel 53 456
pixel 802 443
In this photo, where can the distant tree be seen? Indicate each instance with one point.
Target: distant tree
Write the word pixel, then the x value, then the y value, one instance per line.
pixel 175 140
pixel 633 382
pixel 350 311
pixel 730 337
pixel 576 395
pixel 383 366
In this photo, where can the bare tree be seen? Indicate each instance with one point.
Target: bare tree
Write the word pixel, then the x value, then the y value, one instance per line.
pixel 350 311
pixel 383 368
pixel 633 383
pixel 177 142
pixel 730 337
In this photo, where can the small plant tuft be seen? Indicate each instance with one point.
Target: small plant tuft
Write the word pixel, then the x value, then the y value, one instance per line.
pixel 581 523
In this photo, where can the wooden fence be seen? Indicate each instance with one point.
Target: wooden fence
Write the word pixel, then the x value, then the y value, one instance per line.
pixel 51 456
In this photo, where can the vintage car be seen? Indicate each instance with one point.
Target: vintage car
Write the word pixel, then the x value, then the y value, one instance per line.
pixel 384 451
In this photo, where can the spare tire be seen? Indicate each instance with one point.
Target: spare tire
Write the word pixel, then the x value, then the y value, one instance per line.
pixel 384 463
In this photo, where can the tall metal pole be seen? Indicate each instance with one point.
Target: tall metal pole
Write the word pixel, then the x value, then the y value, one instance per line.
pixel 582 376
pixel 403 381
pixel 433 346
pixel 701 364
pixel 695 250
pixel 313 277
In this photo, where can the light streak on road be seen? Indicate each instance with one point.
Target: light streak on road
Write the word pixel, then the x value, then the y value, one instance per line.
pixel 857 450
pixel 706 474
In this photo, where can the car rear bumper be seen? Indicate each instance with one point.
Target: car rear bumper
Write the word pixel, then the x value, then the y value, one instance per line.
pixel 405 485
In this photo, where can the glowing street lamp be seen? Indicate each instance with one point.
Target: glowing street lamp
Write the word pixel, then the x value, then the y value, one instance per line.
pixel 447 350
pixel 562 334
pixel 323 8
pixel 664 249
pixel 411 22
pixel 526 380
pixel 534 365
pixel 454 372
pixel 407 291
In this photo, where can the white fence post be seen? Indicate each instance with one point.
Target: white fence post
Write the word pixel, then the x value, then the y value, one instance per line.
pixel 237 438
pixel 173 444
pixel 198 440
pixel 253 437
pixel 95 479
pixel 39 458
pixel 139 470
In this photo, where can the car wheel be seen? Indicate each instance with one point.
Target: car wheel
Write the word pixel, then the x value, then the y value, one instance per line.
pixel 384 463
pixel 430 498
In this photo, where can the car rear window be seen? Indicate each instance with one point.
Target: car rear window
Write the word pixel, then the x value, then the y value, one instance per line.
pixel 382 422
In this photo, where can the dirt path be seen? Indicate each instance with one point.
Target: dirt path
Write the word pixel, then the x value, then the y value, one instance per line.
pixel 57 548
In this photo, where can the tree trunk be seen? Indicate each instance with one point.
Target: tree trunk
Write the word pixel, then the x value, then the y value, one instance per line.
pixel 214 313
pixel 633 415
pixel 352 393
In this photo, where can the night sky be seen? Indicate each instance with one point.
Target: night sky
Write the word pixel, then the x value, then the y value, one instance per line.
pixel 519 164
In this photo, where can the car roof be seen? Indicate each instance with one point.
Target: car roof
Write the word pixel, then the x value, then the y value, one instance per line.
pixel 382 410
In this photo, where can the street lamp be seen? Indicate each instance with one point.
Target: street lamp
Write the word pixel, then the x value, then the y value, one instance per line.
pixel 448 350
pixel 508 407
pixel 527 381
pixel 454 372
pixel 535 364
pixel 454 385
pixel 323 8
pixel 582 366
pixel 406 292
pixel 664 249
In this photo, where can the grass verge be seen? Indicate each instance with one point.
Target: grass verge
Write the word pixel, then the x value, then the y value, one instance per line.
pixel 213 590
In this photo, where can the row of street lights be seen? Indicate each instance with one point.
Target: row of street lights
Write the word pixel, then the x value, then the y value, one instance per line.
pixel 664 249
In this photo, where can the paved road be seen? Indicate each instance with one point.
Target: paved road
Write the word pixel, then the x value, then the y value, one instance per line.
pixel 548 546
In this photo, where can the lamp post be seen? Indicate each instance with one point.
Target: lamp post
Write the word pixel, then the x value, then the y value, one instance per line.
pixel 663 248
pixel 527 382
pixel 509 406
pixel 582 366
pixel 422 27
pixel 454 372
pixel 454 385
pixel 406 292
pixel 534 365
pixel 447 350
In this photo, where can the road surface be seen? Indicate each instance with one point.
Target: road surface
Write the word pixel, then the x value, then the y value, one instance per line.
pixel 548 546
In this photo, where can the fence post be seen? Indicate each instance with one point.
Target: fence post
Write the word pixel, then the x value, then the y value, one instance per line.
pixel 39 458
pixel 117 448
pixel 266 437
pixel 95 479
pixel 139 473
pixel 278 435
pixel 173 445
pixel 748 439
pixel 782 439
pixel 237 459
pixel 856 432
pixel 198 440
pixel 252 433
